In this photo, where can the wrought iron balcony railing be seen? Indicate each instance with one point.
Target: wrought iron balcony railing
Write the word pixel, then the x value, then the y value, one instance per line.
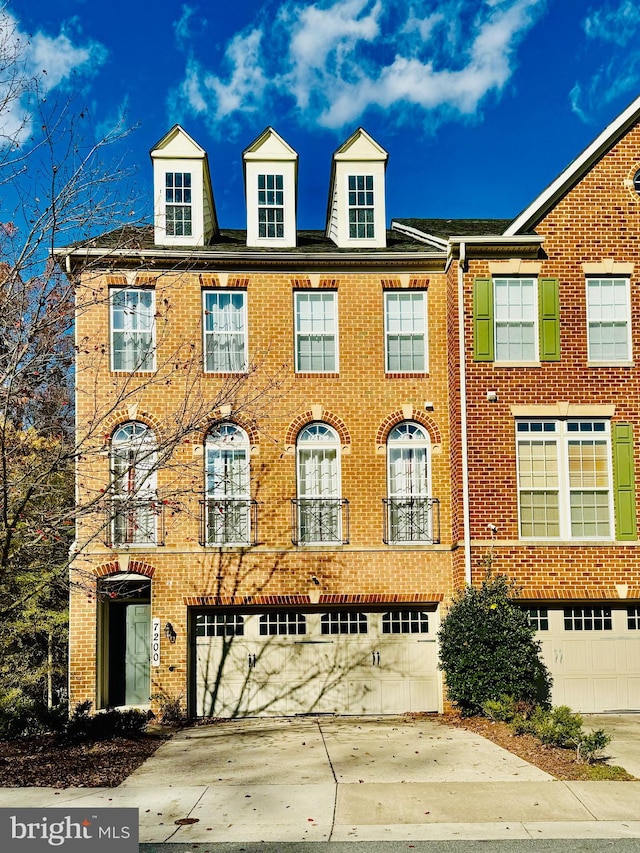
pixel 411 521
pixel 135 521
pixel 228 521
pixel 320 521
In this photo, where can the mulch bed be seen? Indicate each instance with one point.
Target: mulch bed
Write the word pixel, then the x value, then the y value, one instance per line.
pixel 50 762
pixel 559 763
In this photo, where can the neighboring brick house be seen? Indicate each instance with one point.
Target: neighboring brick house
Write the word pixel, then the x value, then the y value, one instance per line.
pixel 301 461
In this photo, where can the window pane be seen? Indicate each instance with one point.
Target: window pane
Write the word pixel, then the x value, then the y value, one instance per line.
pixel 225 331
pixel 316 332
pixel 515 319
pixel 132 326
pixel 405 332
pixel 608 319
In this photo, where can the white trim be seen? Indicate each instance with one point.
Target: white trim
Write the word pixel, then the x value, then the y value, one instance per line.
pixel 627 319
pixel 566 179
pixel 424 293
pixel 296 332
pixel 245 331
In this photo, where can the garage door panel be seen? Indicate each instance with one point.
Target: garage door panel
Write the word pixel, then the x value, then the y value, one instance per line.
pixel 633 694
pixel 632 655
pixel 603 655
pixel 424 693
pixel 575 655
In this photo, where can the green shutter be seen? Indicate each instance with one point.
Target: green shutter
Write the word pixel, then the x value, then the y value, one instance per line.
pixel 624 481
pixel 483 319
pixel 549 311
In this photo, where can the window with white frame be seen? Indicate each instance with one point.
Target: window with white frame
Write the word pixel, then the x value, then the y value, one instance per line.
pixel 178 204
pixel 515 318
pixel 319 502
pixel 564 479
pixel 316 330
pixel 588 619
pixel 405 320
pixel 225 331
pixel 409 507
pixel 133 471
pixel 361 207
pixel 633 617
pixel 608 313
pixel 538 617
pixel 132 329
pixel 271 206
pixel 227 480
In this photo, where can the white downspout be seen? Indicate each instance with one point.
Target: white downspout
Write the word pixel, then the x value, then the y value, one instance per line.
pixel 463 417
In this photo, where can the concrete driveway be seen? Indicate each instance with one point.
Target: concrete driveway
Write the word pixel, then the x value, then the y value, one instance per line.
pixel 624 729
pixel 320 750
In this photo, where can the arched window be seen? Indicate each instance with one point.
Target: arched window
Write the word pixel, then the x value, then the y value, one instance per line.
pixel 133 471
pixel 319 503
pixel 228 505
pixel 409 507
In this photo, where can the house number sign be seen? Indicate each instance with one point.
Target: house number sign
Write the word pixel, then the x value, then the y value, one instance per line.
pixel 155 642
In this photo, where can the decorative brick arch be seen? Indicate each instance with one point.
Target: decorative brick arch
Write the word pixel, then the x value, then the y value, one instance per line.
pixel 401 415
pixel 248 426
pixel 136 567
pixel 314 415
pixel 131 414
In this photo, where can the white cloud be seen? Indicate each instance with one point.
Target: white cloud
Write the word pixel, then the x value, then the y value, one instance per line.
pixel 50 61
pixel 56 59
pixel 616 24
pixel 183 26
pixel 332 60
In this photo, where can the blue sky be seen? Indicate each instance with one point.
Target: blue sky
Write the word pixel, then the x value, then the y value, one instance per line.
pixel 480 103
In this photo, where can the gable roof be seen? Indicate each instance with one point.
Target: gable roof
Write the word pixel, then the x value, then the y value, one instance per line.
pixel 269 145
pixel 575 171
pixel 178 138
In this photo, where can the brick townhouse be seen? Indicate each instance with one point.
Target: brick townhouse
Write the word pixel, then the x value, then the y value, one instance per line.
pixel 298 444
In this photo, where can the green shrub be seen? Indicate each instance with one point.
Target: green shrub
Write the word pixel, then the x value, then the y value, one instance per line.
pixel 590 746
pixel 488 650
pixel 502 710
pixel 559 727
pixel 21 716
pixel 105 725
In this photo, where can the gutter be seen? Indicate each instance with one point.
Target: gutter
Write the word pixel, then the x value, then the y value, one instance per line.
pixel 463 416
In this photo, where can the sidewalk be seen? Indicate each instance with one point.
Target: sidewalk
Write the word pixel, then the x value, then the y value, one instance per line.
pixel 346 779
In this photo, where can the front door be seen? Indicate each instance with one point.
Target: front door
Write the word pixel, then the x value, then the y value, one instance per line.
pixel 137 654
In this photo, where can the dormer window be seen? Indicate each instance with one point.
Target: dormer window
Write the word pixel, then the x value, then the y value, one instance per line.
pixel 271 206
pixel 361 210
pixel 271 174
pixel 184 212
pixel 356 209
pixel 178 204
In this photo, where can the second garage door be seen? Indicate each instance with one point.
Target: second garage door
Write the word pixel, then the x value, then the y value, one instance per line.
pixel 593 654
pixel 295 662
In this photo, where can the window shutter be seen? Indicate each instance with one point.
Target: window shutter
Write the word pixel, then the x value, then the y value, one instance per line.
pixel 624 481
pixel 549 310
pixel 483 319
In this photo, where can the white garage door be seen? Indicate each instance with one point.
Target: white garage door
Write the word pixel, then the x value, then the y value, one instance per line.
pixel 593 654
pixel 344 662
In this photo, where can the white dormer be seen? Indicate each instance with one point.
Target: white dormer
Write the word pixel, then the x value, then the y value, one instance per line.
pixel 356 209
pixel 270 176
pixel 183 209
